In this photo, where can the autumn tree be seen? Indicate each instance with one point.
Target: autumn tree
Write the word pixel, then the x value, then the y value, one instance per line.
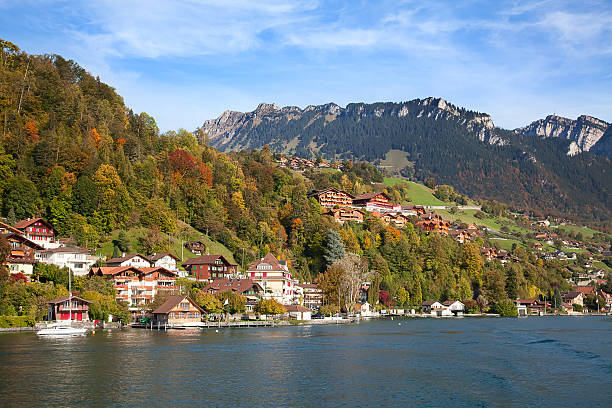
pixel 269 307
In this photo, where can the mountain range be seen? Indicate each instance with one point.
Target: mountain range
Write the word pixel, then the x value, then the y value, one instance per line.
pixel 552 166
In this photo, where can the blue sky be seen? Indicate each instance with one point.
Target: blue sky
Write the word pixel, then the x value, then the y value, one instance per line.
pixel 187 61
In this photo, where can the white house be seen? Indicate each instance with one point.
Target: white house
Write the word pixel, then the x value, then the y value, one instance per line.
pixel 299 312
pixel 164 260
pixel 135 260
pixel 274 276
pixel 365 309
pixel 431 307
pixel 78 260
pixel 454 306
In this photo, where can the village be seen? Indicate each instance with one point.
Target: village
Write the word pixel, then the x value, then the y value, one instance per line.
pixel 140 279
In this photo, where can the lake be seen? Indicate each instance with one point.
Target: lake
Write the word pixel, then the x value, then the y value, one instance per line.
pixel 550 361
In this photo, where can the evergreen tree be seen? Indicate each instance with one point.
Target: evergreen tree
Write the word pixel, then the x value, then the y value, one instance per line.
pixel 557 299
pixel 334 248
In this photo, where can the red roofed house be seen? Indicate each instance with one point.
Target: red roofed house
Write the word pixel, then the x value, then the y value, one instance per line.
pixel 178 310
pixel 39 231
pixel 245 287
pixel 22 257
pixel 137 286
pixel 331 197
pixel 380 202
pixel 59 309
pixel 210 267
pixel 441 227
pixel 274 276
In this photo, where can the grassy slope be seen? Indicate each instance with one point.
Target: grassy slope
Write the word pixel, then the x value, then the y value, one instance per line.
pixel 419 194
pixel 189 234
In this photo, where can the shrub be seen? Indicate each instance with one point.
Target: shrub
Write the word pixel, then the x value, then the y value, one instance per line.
pixel 17 321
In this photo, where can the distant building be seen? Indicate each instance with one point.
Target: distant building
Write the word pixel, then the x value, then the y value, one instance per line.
pixel 342 215
pixel 431 306
pixel 39 231
pixel 210 267
pixel 331 197
pixel 164 260
pixel 22 256
pixel 456 307
pixel 197 247
pixel 377 201
pixel 573 297
pixel 298 312
pixel 313 295
pixel 178 310
pixel 441 227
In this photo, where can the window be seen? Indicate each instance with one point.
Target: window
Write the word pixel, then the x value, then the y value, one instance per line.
pixel 265 274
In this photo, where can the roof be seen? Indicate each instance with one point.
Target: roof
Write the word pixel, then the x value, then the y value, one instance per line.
pixel 585 290
pixel 205 260
pixel 114 270
pixel 23 239
pixel 26 223
pixel 269 259
pixel 308 285
pixel 74 250
pixel 429 302
pixel 571 295
pixel 156 257
pixel 8 227
pixel 325 190
pixel 172 302
pixel 297 308
pixel 235 285
pixel 450 302
pixel 65 298
pixel 369 196
pixel 125 258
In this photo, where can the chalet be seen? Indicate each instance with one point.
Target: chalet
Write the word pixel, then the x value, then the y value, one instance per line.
pixel 210 267
pixel 197 247
pixel 331 197
pixel 178 310
pixel 274 276
pixel 342 215
pixel 39 231
pixel 60 309
pixel 313 295
pixel 376 201
pixel 137 286
pixel 537 246
pixel 22 256
pixel 503 256
pixel 585 290
pixel 7 229
pixel 430 216
pixel 409 210
pixel 573 298
pixel 298 312
pixel 431 306
pixel 456 307
pixel 441 227
pixel 78 260
pixel 245 287
pixel 164 260
pixel 460 236
pixel 400 220
pixel 135 260
pixel 488 253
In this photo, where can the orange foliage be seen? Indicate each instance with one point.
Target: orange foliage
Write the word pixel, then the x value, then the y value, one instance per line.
pixel 95 137
pixel 205 174
pixel 31 131
pixel 392 234
pixel 120 142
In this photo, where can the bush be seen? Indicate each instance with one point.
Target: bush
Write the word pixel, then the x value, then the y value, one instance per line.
pixel 270 307
pixel 328 310
pixel 505 308
pixel 17 321
pixel 577 307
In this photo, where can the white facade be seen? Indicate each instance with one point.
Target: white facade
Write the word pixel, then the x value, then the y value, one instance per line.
pixel 26 268
pixel 78 260
pixel 275 278
pixel 167 261
pixel 136 261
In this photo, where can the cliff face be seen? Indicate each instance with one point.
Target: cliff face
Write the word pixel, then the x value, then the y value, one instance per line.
pixel 584 132
pixel 232 130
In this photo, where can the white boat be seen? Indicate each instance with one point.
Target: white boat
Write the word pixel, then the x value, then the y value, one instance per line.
pixel 63 329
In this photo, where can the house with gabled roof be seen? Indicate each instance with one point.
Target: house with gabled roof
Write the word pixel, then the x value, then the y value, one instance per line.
pixel 331 197
pixel 376 201
pixel 22 257
pixel 39 231
pixel 342 215
pixel 274 276
pixel 178 310
pixel 135 260
pixel 164 260
pixel 61 309
pixel 245 287
pixel 210 267
pixel 137 286
pixel 78 260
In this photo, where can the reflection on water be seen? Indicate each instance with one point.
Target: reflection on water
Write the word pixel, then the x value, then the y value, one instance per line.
pixel 422 362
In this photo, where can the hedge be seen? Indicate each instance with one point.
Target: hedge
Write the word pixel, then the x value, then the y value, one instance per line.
pixel 17 321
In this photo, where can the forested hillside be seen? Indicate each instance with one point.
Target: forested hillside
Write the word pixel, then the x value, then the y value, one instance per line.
pixel 72 152
pixel 453 145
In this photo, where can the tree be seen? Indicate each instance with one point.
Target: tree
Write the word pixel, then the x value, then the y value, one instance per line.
pixel 269 307
pixel 356 272
pixel 209 302
pixel 471 260
pixel 557 299
pixel 403 297
pixel 505 308
pixel 22 196
pixel 385 298
pixel 236 302
pixel 334 248
pixel 157 213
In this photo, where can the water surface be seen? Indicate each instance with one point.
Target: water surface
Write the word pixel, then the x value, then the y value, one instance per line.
pixel 552 361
